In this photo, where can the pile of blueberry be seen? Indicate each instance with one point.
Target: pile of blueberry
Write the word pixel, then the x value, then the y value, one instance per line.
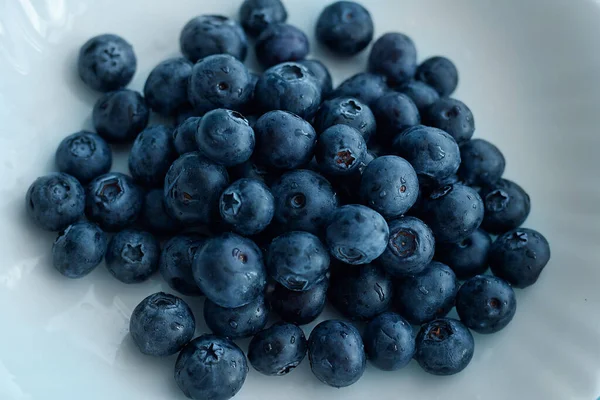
pixel 274 192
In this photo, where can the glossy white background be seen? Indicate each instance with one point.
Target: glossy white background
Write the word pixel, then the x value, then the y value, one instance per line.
pixel 529 72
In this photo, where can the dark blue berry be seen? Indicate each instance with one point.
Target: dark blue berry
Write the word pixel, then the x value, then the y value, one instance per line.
pixel 151 155
pixel 257 15
pixel 251 170
pixel 389 342
pixel 184 136
pixel 119 116
pixel 394 112
pixel 155 218
pixel 364 86
pixel 79 249
pixel 166 87
pixel 321 73
pixel 346 111
pixel 340 150
pixel 439 73
pixel 106 62
pixel 83 155
pixel 507 206
pixel 280 43
pixel 467 258
pixel 162 324
pixel 452 116
pixel 420 93
pixel 278 350
pixel 394 56
pixel 482 163
pixel 236 323
pixel 345 28
pixel 206 35
pixel 299 307
pixel 175 263
pixel 247 205
pixel 132 256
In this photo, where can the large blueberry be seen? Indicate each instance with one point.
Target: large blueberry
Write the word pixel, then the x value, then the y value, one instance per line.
pixel 229 269
pixel 113 201
pixel 277 350
pixel 394 55
pixel 106 62
pixel 289 87
pixel 394 112
pixel 257 15
pixel 304 201
pixel 427 295
pixel 206 35
pixel 347 111
pixel 336 353
pixel 356 234
pixel 389 185
pixel 119 116
pixel 420 93
pixel 345 28
pixel 410 248
pixel 299 307
pixel 166 87
pixel 507 206
pixel 184 136
pixel 162 324
pixel 321 73
pixel 175 263
pixel 247 205
pixel 154 216
pixel 389 341
pixel 519 256
pixel 79 249
pixel 236 323
pixel 486 304
pixel 211 367
pixel 219 81
pixel 482 163
pixel 452 116
pixel 84 155
pixel 284 140
pixel 55 201
pixel 340 150
pixel 192 188
pixel 467 258
pixel 439 73
pixel 280 43
pixel 151 155
pixel 132 256
pixel 364 86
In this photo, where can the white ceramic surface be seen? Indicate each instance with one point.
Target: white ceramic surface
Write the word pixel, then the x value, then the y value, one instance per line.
pixel 529 71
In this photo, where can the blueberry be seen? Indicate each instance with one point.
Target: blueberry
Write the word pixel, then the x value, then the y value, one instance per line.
pixel 364 86
pixel 336 353
pixel 113 201
pixel 79 249
pixel 427 295
pixel 356 234
pixel 420 93
pixel 453 212
pixel 322 74
pixel 248 206
pixel 482 163
pixel 151 155
pixel 277 350
pixel 444 347
pixel 192 188
pixel 347 111
pixel 394 112
pixel 432 152
pixel 251 170
pixel 410 248
pixel 345 28
pixel 284 140
pixel 289 87
pixel 119 116
pixel 175 263
pixel 360 293
pixel 106 62
pixel 166 87
pixel 468 257
pixel 340 150
pixel 299 307
pixel 507 206
pixel 389 185
pixel 389 342
pixel 452 116
pixel 161 325
pixel 83 155
pixel 229 270
pixel 439 73
pixel 280 43
pixel 211 367
pixel 55 201
pixel 297 260
pixel 304 201
pixel 394 55
pixel 219 81
pixel 154 215
pixel 206 35
pixel 225 137
pixel 236 323
pixel 257 15
pixel 519 257
pixel 184 136
pixel 486 304
pixel 132 256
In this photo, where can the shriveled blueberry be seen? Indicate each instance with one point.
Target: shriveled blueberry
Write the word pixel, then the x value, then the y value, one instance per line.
pixel 175 264
pixel 346 111
pixel 151 155
pixel 154 215
pixel 507 206
pixel 280 43
pixel 467 258
pixel 206 35
pixel 394 112
pixel 162 324
pixel 79 249
pixel 278 350
pixel 321 73
pixel 452 116
pixel 394 56
pixel 519 257
pixel 364 86
pixel 113 201
pixel 211 367
pixel 257 15
pixel 336 353
pixel 106 62
pixel 184 136
pixel 389 341
pixel 166 87
pixel 345 28
pixel 119 116
pixel 248 206
pixel 132 256
pixel 299 307
pixel 55 201
pixel 83 155
pixel 439 73
pixel 236 323
pixel 420 93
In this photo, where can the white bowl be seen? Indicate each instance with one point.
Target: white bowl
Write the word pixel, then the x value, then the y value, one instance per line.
pixel 528 70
